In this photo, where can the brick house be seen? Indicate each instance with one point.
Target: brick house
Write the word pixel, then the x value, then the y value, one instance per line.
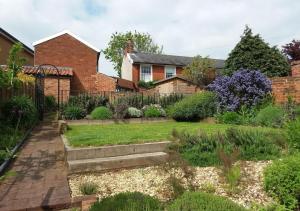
pixel 6 42
pixel 139 66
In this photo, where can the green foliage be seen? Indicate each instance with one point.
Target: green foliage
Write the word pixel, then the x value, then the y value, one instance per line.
pixel 101 113
pixel 88 188
pixel 134 112
pixel 195 107
pixel 153 110
pixel 50 103
pixel 146 85
pixel 20 110
pixel 253 53
pixel 230 118
pixel 271 116
pixel 293 134
pixel 87 101
pixel 74 112
pixel 142 42
pixel 203 201
pixel 127 202
pixel 297 111
pixel 201 71
pixel 282 181
pixel 4 78
pixel 202 149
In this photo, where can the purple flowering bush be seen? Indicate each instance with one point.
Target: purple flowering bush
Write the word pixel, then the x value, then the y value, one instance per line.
pixel 244 88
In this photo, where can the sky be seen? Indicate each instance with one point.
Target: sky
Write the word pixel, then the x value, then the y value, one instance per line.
pixel 184 27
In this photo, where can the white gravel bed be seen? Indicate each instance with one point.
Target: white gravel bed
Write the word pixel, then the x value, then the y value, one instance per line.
pixel 154 182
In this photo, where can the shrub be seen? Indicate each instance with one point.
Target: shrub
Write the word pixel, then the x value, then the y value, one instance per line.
pixel 88 102
pixel 20 109
pixel 297 111
pixel 244 88
pixel 50 103
pixel 74 112
pixel 270 116
pixel 293 134
pixel 195 107
pixel 134 112
pixel 282 181
pixel 146 85
pixel 88 188
pixel 101 113
pixel 154 110
pixel 127 201
pixel 230 118
pixel 121 110
pixel 203 201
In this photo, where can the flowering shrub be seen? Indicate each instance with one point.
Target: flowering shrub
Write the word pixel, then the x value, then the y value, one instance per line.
pixel 154 110
pixel 243 88
pixel 134 112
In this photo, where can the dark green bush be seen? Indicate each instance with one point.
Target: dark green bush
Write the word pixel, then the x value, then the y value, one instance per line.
pixel 101 113
pixel 203 201
pixel 282 181
pixel 152 112
pixel 195 107
pixel 230 118
pixel 146 85
pixel 50 103
pixel 270 116
pixel 74 112
pixel 127 202
pixel 87 101
pixel 293 134
pixel 22 109
pixel 88 188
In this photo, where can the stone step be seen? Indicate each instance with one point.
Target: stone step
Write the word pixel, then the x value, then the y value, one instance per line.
pixel 111 163
pixel 113 151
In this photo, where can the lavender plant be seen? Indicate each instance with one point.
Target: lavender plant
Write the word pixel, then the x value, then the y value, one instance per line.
pixel 244 88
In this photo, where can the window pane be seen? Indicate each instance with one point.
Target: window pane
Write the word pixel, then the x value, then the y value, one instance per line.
pixel 170 71
pixel 145 73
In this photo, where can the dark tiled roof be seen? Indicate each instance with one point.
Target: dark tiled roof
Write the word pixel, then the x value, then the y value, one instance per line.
pixel 163 59
pixel 15 40
pixel 49 70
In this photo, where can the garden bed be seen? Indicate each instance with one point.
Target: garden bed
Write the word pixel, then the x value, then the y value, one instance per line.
pixel 133 133
pixel 154 181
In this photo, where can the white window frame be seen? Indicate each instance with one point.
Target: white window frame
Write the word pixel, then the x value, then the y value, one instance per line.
pixel 169 67
pixel 151 71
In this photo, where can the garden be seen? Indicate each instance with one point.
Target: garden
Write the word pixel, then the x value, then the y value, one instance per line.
pixel 231 148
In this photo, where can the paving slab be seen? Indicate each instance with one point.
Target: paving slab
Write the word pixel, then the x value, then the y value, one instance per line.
pixel 39 179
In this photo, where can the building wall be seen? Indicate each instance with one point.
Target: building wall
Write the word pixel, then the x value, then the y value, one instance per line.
pixel 5 46
pixel 126 69
pixel 51 85
pixel 158 72
pixel 135 73
pixel 176 86
pixel 67 51
pixel 103 82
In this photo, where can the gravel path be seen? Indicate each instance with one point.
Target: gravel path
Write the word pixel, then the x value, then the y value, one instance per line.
pixel 154 181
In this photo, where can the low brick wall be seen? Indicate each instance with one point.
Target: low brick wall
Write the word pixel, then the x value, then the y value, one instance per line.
pixel 282 87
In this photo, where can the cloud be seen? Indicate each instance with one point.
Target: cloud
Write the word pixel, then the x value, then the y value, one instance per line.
pixel 183 27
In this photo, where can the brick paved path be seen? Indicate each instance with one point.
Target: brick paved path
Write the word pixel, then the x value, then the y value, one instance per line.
pixel 41 174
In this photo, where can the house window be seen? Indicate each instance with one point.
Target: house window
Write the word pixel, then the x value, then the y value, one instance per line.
pixel 170 71
pixel 146 73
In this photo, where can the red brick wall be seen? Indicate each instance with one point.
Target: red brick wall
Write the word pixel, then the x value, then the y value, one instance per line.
pixel 295 69
pixel 103 82
pixel 158 72
pixel 69 52
pixel 135 73
pixel 282 87
pixel 179 70
pixel 50 87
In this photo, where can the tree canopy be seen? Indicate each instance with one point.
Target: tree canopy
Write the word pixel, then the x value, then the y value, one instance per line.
pixel 292 50
pixel 200 70
pixel 142 42
pixel 252 52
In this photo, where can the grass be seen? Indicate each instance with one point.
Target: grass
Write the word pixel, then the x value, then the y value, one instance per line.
pixel 113 134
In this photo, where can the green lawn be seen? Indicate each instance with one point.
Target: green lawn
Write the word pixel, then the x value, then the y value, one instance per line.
pixel 112 134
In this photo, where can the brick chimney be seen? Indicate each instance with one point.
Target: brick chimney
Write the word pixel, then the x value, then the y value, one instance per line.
pixel 129 47
pixel 295 68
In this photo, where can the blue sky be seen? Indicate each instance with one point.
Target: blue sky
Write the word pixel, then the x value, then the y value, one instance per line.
pixel 183 27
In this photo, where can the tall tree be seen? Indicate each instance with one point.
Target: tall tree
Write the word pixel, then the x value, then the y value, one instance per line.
pixel 201 70
pixel 292 50
pixel 252 52
pixel 142 42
